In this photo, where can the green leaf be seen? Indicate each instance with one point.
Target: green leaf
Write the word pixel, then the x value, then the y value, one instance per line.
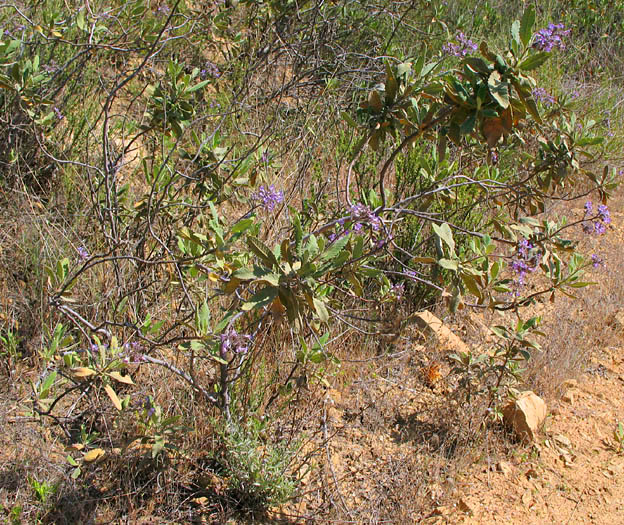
pixel 335 248
pixel 406 67
pixel 261 298
pixel 449 264
pixel 478 64
pixel 468 124
pixel 528 101
pixel 580 284
pixel 471 284
pixel 47 384
pixel 312 246
pixel 498 89
pixel 298 233
pixel 197 86
pixel 590 141
pixel 202 319
pixel 262 251
pixel 444 232
pixel 515 31
pixel 321 309
pixel 242 226
pixel 80 21
pixel 534 61
pixel 391 85
pixel 500 331
pixel 270 278
pixel 257 273
pixel 495 270
pixel 526 25
pixel 349 119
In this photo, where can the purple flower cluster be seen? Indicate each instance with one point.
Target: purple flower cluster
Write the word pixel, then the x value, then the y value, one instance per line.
pixel 551 37
pixel 596 223
pixel 597 261
pixel 359 215
pixel 525 260
pixel 51 67
pixel 541 95
pixel 608 124
pixel 268 197
pixel 398 290
pixel 210 69
pixel 132 353
pixel 148 405
pixel 362 214
pixel 463 47
pixel 58 113
pixel 232 341
pixel 83 253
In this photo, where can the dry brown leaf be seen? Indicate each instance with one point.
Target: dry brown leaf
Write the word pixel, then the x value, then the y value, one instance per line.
pixel 93 455
pixel 83 371
pixel 113 396
pixel 122 379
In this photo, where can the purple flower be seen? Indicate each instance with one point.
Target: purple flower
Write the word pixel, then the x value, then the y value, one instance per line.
pixel 133 353
pixel 363 214
pixel 603 214
pixel 541 95
pixel 83 253
pixel 551 37
pixel 51 67
pixel 599 228
pixel 231 340
pixel 596 224
pixel 58 114
pixel 149 406
pixel 398 290
pixel 268 197
pixel 597 261
pixel 524 261
pixel 463 47
pixel 210 69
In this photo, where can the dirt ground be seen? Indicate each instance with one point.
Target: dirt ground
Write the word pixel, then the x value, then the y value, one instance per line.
pixel 392 433
pixel 572 475
pixel 392 444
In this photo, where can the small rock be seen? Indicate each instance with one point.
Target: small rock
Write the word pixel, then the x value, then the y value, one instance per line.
pixel 568 397
pixel 428 322
pixel 527 498
pixel 618 321
pixel 504 467
pixel 531 473
pixel 469 507
pixel 525 415
pixel 563 440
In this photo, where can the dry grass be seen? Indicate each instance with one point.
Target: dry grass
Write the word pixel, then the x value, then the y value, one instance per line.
pixel 374 440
